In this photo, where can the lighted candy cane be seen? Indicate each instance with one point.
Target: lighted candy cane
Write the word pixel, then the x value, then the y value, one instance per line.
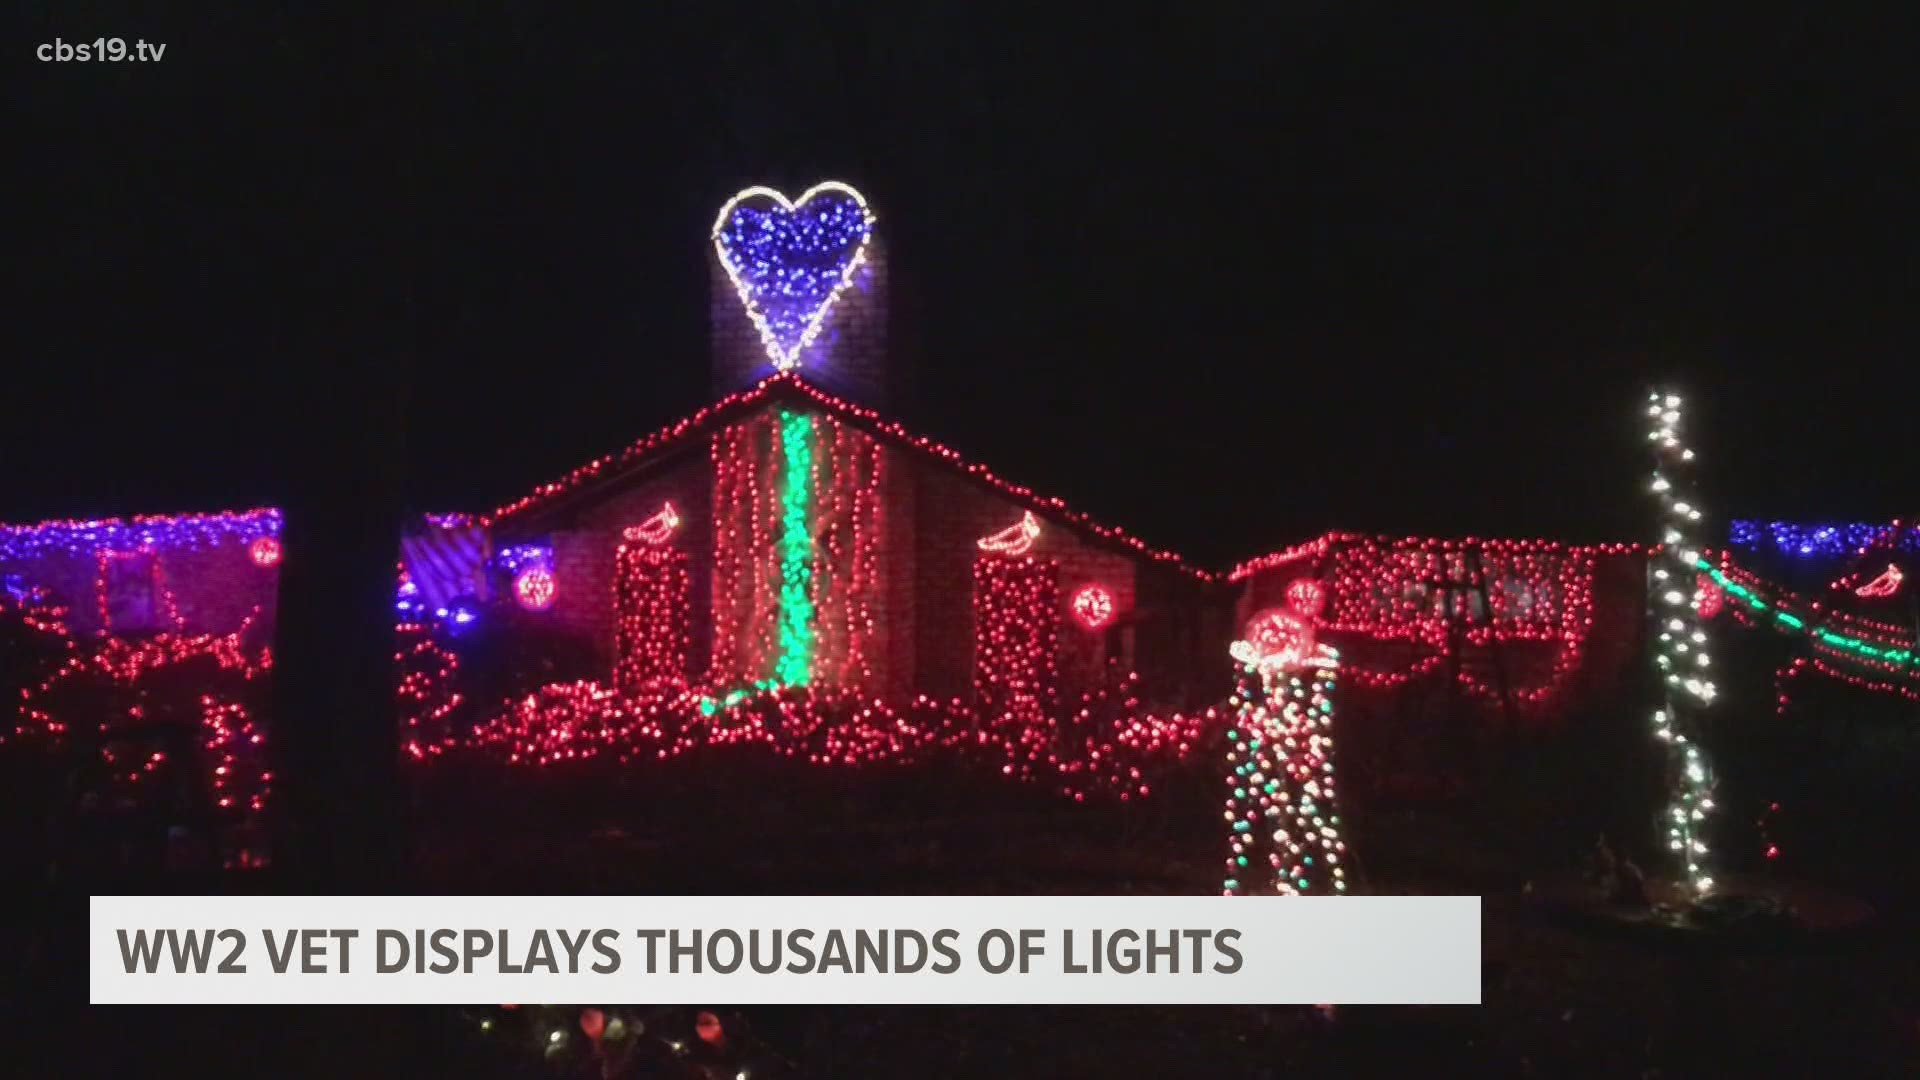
pixel 1281 803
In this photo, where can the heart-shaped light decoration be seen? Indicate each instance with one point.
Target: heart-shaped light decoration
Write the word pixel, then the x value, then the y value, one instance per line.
pixel 790 259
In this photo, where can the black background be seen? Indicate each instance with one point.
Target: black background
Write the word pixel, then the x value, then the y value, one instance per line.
pixel 1166 265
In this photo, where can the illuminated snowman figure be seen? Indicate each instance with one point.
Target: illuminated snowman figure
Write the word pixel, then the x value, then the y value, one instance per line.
pixel 1280 807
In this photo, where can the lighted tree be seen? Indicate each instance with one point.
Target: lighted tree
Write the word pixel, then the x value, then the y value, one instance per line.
pixel 1680 651
pixel 1280 807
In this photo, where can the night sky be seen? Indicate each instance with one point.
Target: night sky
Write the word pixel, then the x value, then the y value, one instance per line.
pixel 1224 280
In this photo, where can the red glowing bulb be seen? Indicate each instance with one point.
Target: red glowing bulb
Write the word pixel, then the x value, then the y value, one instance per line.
pixel 1712 598
pixel 1093 606
pixel 534 588
pixel 707 1026
pixel 1307 596
pixel 265 551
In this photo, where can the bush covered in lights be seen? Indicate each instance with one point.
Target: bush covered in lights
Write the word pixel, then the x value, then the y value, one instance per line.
pixel 165 727
pixel 1109 745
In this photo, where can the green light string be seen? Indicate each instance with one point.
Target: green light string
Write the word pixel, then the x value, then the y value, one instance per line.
pixel 711 705
pixel 795 665
pixel 794 622
pixel 1857 646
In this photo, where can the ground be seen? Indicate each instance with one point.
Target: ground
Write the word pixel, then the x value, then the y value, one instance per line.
pixel 1559 1000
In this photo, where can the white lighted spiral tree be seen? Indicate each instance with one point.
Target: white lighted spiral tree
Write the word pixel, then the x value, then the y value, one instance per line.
pixel 1680 648
pixel 1280 808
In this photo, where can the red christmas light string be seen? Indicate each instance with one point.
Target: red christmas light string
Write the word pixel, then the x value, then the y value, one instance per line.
pixel 1426 593
pixel 1016 622
pixel 426 691
pixel 237 773
pixel 652 590
pixel 1107 745
pixel 845 412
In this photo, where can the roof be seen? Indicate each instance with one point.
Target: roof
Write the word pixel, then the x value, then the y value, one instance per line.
pixel 129 534
pixel 1495 546
pixel 788 385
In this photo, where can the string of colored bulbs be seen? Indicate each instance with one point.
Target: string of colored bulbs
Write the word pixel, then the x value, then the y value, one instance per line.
pixel 1680 648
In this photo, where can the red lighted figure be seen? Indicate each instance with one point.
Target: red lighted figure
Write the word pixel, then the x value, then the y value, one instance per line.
pixel 265 551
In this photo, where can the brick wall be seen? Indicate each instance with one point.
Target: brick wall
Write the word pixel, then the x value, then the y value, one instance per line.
pixel 950 514
pixel 1168 627
pixel 215 587
pixel 1612 641
pixel 899 569
pixel 585 545
pixel 1181 645
pixel 849 357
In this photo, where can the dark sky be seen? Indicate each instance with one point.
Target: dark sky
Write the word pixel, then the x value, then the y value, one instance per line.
pixel 1227 276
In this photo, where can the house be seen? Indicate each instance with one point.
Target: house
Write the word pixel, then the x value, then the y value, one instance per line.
pixel 790 533
pixel 192 573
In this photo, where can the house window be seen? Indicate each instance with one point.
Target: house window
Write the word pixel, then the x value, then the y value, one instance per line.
pixel 129 594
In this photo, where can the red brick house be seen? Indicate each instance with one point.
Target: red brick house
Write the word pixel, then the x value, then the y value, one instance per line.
pixel 893 524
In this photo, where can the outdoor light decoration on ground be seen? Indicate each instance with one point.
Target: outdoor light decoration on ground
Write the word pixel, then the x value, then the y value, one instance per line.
pixel 1680 651
pixel 1280 806
pixel 428 690
pixel 1105 744
pixel 232 741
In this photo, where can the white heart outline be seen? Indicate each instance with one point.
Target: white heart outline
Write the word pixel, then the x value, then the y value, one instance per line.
pixel 786 359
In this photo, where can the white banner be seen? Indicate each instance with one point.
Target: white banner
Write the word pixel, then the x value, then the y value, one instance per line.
pixel 756 950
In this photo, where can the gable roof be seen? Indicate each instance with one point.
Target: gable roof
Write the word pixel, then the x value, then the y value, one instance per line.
pixel 788 385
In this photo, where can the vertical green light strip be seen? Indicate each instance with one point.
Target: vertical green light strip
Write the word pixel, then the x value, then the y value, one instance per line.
pixel 795 665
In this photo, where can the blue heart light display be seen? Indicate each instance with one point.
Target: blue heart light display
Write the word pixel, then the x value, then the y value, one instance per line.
pixel 791 259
